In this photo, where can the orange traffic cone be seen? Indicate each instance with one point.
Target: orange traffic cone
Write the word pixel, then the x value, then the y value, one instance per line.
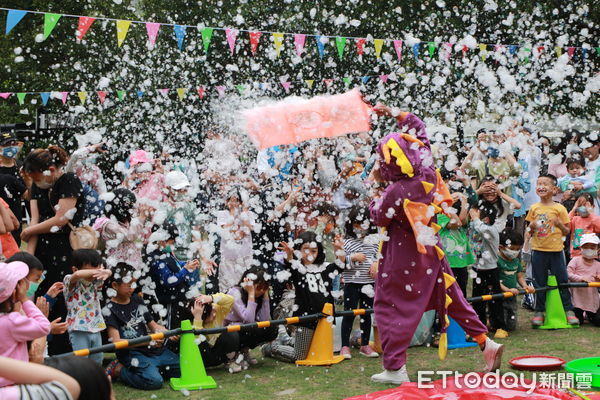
pixel 321 346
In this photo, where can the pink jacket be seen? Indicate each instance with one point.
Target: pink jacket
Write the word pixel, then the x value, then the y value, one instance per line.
pixel 579 271
pixel 16 329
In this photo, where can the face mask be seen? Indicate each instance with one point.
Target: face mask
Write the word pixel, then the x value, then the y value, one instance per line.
pixel 33 287
pixel 589 253
pixel 11 151
pixel 179 196
pixel 168 249
pixel 483 146
pixel 44 184
pixel 582 211
pixel 510 254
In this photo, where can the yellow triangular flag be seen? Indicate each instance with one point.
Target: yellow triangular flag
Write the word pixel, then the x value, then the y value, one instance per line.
pixel 482 50
pixel 378 47
pixel 181 93
pixel 122 28
pixel 558 51
pixel 82 96
pixel 310 83
pixel 278 41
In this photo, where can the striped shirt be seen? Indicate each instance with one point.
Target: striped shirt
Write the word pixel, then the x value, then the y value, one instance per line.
pixel 358 272
pixel 45 391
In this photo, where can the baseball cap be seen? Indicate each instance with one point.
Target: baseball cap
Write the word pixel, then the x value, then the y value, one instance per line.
pixel 588 238
pixel 6 137
pixel 176 180
pixel 139 157
pixel 10 275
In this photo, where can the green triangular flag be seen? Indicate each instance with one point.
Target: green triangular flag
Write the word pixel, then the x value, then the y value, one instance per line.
pixel 241 89
pixel 50 21
pixel 21 97
pixel 598 50
pixel 340 42
pixel 526 57
pixel 431 48
pixel 206 38
pixel 347 80
pixel 120 94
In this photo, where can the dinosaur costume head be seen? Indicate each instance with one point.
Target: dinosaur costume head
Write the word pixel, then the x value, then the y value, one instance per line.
pixel 403 156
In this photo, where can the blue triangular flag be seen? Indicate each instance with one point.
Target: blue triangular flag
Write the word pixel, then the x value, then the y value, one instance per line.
pixel 13 18
pixel 512 49
pixel 365 79
pixel 140 93
pixel 45 96
pixel 179 34
pixel 320 46
pixel 584 53
pixel 416 51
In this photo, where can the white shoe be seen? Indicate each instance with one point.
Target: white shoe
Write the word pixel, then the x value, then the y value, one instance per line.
pixel 395 377
pixel 492 354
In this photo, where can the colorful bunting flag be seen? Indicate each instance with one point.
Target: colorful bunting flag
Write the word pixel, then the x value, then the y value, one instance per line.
pixel 5 95
pixel 365 79
pixel 431 47
pixel 164 92
pixel 347 80
pixel 152 30
pixel 512 49
pixel 398 48
pixel 231 35
pixel 140 94
pixel 383 78
pixel 221 90
pixel 482 51
pixel 378 47
pixel 286 86
pixel 449 47
pixel 179 35
pixel 558 51
pixel 340 43
pixel 278 42
pixel 83 26
pixel 201 92
pixel 415 50
pixel 526 53
pixel 82 96
pixel 299 41
pixel 254 40
pixel 464 51
pixel 13 18
pixel 570 51
pixel 21 97
pixel 598 50
pixel 310 83
pixel 241 89
pixel 122 28
pixel 181 93
pixel 121 94
pixel 64 96
pixel 328 82
pixel 206 38
pixel 50 21
pixel 102 96
pixel 584 51
pixel 360 45
pixel 45 97
pixel 320 46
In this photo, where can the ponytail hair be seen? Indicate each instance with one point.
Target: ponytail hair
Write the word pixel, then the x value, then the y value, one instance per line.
pixel 40 160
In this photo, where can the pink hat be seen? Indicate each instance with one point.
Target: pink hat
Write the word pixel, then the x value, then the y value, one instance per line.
pixel 139 157
pixel 10 275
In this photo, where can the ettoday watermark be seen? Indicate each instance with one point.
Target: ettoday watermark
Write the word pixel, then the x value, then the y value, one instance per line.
pixel 505 380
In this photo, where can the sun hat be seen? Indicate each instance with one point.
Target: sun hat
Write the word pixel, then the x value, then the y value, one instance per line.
pixel 10 275
pixel 176 180
pixel 139 157
pixel 589 238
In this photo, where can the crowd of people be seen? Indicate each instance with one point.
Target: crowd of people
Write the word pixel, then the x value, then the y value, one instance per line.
pixel 223 238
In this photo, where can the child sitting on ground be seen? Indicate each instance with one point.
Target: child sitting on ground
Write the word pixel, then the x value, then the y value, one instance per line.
pixel 15 328
pixel 586 268
pixel 82 296
pixel 511 273
pixel 128 318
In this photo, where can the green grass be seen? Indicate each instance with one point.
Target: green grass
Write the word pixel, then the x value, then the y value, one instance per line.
pixel 271 379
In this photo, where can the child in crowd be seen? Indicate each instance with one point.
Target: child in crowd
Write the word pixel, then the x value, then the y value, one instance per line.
pixel 17 328
pixel 82 295
pixel 251 305
pixel 128 318
pixel 485 231
pixel 511 273
pixel 361 254
pixel 583 220
pixel 575 182
pixel 549 224
pixel 586 268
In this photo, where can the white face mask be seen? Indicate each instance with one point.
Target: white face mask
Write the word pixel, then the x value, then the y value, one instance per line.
pixel 44 184
pixel 510 254
pixel 589 253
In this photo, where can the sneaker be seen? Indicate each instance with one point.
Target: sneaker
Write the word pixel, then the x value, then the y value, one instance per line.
pixel 367 351
pixel 395 377
pixel 345 351
pixel 492 354
pixel 538 319
pixel 501 334
pixel 572 318
pixel 248 357
pixel 114 369
pixel 233 367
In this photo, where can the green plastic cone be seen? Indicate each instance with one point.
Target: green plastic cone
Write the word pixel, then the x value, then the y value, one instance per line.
pixel 556 318
pixel 193 374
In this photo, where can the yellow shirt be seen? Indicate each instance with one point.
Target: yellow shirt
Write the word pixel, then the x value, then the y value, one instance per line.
pixel 222 305
pixel 547 237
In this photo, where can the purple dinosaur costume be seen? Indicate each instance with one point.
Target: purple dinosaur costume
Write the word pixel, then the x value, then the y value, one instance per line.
pixel 414 275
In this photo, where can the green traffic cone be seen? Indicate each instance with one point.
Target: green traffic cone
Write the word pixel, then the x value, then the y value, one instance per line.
pixel 556 318
pixel 193 374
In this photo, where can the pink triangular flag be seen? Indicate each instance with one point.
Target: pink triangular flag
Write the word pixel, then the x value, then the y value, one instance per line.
pixel 383 78
pixel 328 82
pixel 449 47
pixel 102 96
pixel 164 92
pixel 152 29
pixel 570 51
pixel 299 40
pixel 83 26
pixel 201 92
pixel 398 47
pixel 254 40
pixel 231 35
pixel 221 90
pixel 64 96
pixel 5 95
pixel 286 86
